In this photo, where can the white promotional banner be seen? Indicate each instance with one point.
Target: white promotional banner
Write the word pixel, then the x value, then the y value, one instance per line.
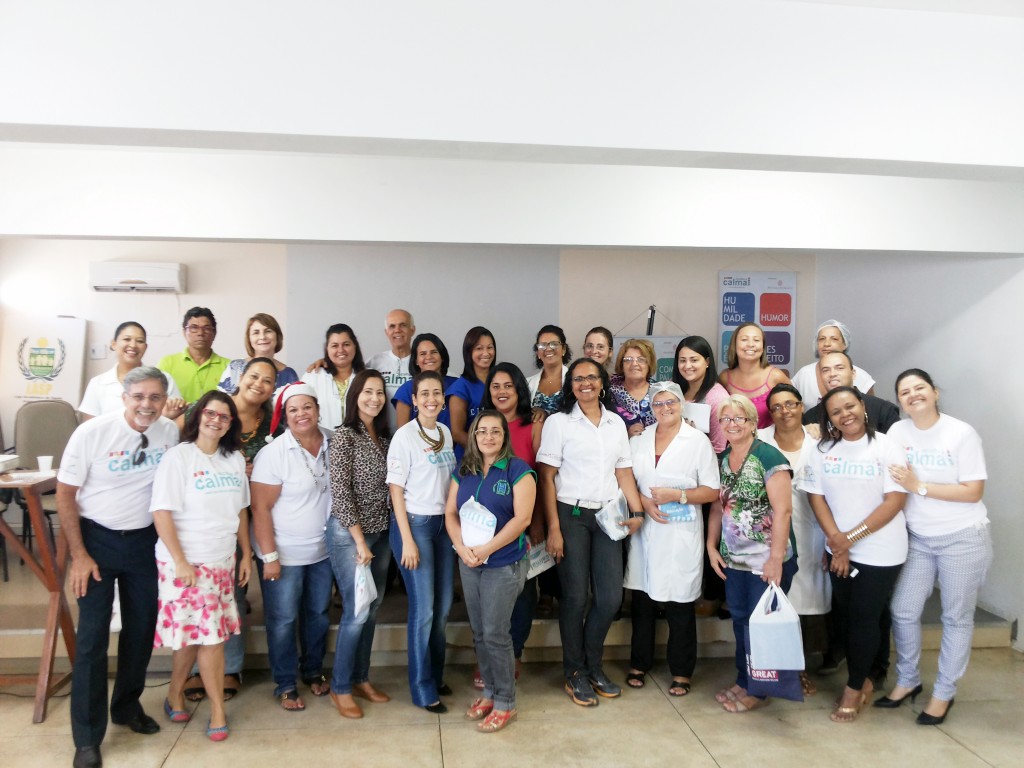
pixel 40 359
pixel 765 298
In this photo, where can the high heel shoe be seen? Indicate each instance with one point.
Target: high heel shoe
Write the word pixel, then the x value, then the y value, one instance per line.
pixel 925 719
pixel 886 703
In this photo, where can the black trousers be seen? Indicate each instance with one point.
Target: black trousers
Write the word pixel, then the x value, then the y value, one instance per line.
pixel 125 557
pixel 682 635
pixel 861 601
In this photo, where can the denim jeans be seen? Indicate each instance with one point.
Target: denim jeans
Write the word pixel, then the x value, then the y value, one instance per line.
pixel 126 559
pixel 742 591
pixel 355 638
pixel 592 562
pixel 430 588
pixel 522 616
pixel 298 600
pixel 490 595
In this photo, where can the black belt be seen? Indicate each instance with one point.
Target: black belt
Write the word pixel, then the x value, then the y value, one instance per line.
pixel 116 532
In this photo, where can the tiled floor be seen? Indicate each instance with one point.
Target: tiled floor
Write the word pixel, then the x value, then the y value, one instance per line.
pixel 644 727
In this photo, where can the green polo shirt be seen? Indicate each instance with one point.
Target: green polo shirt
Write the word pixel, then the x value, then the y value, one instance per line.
pixel 193 380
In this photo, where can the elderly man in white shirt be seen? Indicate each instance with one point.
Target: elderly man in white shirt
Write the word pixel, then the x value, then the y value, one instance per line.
pixel 394 363
pixel 103 491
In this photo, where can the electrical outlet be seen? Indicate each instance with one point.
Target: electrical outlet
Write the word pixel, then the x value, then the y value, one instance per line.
pixel 98 352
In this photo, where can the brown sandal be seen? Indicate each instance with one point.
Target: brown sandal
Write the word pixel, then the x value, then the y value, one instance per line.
pixel 745 704
pixel 807 685
pixel 290 697
pixel 194 688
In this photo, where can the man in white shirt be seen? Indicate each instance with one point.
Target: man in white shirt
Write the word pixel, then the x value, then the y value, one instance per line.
pixel 394 363
pixel 103 493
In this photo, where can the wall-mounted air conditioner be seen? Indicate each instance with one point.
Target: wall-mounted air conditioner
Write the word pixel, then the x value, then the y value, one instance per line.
pixel 148 277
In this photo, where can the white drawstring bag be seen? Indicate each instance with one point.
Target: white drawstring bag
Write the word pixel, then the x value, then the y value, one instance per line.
pixel 613 513
pixel 775 638
pixel 478 523
pixel 365 592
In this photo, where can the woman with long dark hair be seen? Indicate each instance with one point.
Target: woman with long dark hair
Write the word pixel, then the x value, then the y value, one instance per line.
pixel 479 354
pixel 428 353
pixel 342 360
pixel 553 356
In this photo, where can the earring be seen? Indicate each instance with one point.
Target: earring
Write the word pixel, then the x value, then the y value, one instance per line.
pixel 601 396
pixel 444 406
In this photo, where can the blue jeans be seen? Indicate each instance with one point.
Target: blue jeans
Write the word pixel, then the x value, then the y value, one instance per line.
pixel 490 595
pixel 522 616
pixel 430 588
pixel 355 638
pixel 742 591
pixel 298 600
pixel 592 562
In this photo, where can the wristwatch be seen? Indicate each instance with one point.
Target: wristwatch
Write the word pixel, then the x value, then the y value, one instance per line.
pixel 922 489
pixel 271 557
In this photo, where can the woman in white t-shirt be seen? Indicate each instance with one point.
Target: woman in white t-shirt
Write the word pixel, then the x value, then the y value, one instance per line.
pixel 421 459
pixel 331 376
pixel 859 508
pixel 943 472
pixel 290 504
pixel 200 494
pixel 103 393
pixel 832 336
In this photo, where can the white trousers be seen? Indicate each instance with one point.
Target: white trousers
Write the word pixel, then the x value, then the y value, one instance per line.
pixel 960 562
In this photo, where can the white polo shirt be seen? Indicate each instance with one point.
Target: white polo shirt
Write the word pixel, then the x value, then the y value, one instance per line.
pixel 103 393
pixel 585 455
pixel 205 495
pixel 425 475
pixel 301 511
pixel 99 458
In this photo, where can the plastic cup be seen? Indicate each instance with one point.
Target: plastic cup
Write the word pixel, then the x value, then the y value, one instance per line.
pixel 45 463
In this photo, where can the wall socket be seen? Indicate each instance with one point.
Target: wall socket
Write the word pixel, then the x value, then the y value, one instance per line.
pixel 98 352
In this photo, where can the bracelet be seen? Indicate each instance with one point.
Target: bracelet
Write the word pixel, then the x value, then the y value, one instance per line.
pixel 635 514
pixel 271 557
pixel 860 532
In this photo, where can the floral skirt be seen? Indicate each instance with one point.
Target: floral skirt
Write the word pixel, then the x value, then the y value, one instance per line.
pixel 203 614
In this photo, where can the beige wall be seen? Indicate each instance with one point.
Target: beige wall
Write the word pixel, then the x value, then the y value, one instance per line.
pixel 42 278
pixel 611 287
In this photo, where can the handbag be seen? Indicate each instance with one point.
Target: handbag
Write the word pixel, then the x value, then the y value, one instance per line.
pixel 780 683
pixel 776 641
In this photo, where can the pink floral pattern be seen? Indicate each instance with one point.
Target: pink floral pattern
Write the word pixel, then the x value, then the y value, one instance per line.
pixel 204 614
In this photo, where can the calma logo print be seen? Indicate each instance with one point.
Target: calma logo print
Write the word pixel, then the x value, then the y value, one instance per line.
pixel 43 363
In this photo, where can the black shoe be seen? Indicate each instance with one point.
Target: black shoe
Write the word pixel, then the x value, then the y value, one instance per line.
pixel 437 708
pixel 925 719
pixel 580 690
pixel 603 686
pixel 444 689
pixel 829 664
pixel 886 703
pixel 87 757
pixel 141 723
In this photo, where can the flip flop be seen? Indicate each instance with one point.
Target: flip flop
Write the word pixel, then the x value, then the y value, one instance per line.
pixel 636 679
pixel 231 691
pixel 745 704
pixel 318 685
pixel 291 696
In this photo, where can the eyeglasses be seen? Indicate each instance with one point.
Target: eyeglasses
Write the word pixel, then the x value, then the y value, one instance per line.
pixel 540 346
pixel 496 432
pixel 665 403
pixel 734 420
pixel 139 399
pixel 595 347
pixel 140 454
pixel 591 379
pixel 223 418
pixel 789 405
pixel 631 360
pixel 203 329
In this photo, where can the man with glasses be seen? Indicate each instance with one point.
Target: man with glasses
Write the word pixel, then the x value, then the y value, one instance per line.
pixel 103 493
pixel 198 369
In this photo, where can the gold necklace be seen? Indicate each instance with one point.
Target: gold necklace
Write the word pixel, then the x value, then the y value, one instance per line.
pixel 434 445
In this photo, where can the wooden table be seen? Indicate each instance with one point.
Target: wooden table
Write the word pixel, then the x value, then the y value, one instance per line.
pixel 50 569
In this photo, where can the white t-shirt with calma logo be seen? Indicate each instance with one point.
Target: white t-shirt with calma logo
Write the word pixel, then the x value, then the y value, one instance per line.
pixel 853 476
pixel 103 459
pixel 204 494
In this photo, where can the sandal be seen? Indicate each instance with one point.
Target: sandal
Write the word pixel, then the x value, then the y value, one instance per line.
pixel 194 689
pixel 478 679
pixel 679 688
pixel 729 694
pixel 288 698
pixel 636 679
pixel 318 685
pixel 230 691
pixel 368 692
pixel 745 704
pixel 479 709
pixel 848 714
pixel 807 685
pixel 497 720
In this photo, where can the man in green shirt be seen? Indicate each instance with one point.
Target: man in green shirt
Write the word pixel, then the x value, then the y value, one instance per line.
pixel 198 369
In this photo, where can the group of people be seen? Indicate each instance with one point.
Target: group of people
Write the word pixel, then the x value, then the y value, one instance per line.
pixel 706 486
